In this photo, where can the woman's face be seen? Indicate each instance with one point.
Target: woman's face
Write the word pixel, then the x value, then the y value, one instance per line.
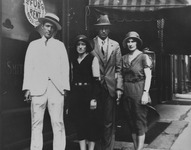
pixel 81 47
pixel 132 44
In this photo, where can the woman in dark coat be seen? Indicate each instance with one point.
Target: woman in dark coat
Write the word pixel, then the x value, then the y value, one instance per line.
pixel 136 72
pixel 85 91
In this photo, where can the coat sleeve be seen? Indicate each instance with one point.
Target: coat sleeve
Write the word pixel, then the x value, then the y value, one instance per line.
pixel 96 78
pixel 65 71
pixel 28 67
pixel 118 73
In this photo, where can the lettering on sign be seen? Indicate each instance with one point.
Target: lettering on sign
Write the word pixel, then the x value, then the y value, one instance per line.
pixel 34 9
pixel 14 69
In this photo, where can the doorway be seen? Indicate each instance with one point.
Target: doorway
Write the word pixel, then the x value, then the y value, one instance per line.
pixel 181 76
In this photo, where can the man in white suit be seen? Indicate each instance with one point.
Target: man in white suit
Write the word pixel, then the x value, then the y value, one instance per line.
pixel 46 78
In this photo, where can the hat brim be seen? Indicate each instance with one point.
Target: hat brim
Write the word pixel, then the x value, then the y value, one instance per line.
pixel 103 24
pixel 58 26
pixel 89 44
pixel 125 41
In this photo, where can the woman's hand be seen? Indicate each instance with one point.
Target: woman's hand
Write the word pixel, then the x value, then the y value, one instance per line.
pixel 145 98
pixel 93 104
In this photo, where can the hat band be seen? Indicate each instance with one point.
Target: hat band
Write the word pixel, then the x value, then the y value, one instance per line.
pixel 52 19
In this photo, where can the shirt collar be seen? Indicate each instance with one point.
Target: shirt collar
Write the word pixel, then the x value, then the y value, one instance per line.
pixel 100 41
pixel 45 39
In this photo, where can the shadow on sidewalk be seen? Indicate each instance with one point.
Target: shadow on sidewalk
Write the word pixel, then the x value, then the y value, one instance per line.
pixel 123 134
pixel 154 127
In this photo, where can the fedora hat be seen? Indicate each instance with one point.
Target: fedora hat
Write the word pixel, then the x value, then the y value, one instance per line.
pixel 50 17
pixel 133 35
pixel 103 21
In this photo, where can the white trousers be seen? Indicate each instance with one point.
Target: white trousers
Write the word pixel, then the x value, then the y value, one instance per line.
pixel 54 101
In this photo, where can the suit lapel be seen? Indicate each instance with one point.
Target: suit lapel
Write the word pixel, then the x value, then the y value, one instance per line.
pixel 98 51
pixel 110 51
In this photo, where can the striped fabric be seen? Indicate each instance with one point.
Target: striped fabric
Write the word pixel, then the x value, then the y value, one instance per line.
pixel 139 5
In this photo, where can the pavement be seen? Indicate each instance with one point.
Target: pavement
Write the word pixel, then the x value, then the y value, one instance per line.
pixel 177 136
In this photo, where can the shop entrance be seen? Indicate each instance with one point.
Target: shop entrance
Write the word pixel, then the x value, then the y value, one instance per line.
pixel 181 77
pixel 166 34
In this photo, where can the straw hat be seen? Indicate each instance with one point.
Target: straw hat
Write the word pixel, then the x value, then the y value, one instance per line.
pixel 133 35
pixel 50 17
pixel 103 21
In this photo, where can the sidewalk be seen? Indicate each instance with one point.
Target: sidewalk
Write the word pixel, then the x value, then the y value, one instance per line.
pixel 177 136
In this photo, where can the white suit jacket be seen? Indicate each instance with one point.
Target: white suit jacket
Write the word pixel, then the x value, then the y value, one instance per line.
pixel 44 62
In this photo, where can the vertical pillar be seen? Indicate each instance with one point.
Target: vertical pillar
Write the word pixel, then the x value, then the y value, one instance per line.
pixel 172 73
pixel 189 74
pixel 1 138
pixel 179 74
pixel 65 22
pixel 164 66
pixel 160 25
pixel 185 74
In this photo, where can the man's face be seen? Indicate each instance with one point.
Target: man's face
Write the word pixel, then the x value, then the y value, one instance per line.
pixel 48 29
pixel 103 32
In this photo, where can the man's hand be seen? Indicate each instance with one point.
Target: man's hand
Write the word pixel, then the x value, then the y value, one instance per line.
pixel 66 93
pixel 119 95
pixel 27 96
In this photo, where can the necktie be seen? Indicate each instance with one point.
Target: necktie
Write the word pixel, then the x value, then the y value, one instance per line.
pixel 102 48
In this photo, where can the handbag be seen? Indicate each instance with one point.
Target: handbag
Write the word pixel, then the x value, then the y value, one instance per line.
pixel 152 116
pixel 122 129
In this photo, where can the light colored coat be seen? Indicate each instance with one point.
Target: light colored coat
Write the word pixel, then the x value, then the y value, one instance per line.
pixel 41 65
pixel 111 70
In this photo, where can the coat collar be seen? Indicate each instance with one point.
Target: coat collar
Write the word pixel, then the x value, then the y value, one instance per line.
pixel 98 53
pixel 100 41
pixel 110 46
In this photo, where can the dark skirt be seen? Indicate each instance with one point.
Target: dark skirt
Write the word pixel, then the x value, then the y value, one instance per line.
pixel 86 121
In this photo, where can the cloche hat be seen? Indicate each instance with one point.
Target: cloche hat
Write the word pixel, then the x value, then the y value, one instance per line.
pixel 103 21
pixel 86 40
pixel 51 18
pixel 133 35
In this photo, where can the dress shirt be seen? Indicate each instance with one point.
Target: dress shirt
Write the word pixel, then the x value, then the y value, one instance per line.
pixel 103 43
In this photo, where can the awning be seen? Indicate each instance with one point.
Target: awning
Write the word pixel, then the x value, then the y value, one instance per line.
pixel 139 5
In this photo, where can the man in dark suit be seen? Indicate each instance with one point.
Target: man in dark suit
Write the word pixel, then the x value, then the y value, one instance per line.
pixel 109 55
